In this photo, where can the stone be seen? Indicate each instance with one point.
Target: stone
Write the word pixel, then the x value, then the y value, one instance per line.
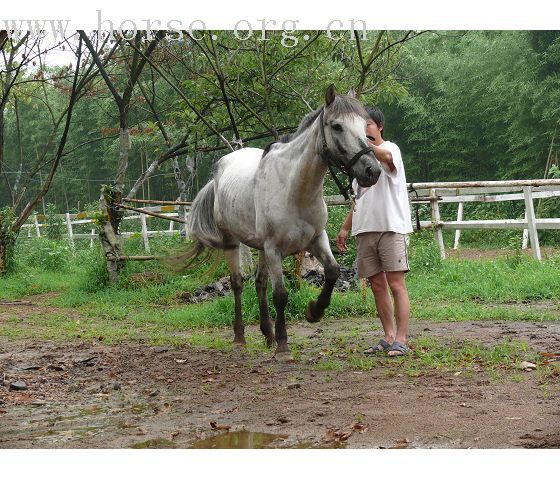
pixel 56 368
pixel 160 349
pixel 294 385
pixel 527 366
pixel 18 385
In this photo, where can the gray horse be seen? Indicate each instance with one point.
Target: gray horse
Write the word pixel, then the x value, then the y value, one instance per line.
pixel 272 201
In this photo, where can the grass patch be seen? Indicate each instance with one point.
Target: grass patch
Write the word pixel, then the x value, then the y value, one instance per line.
pixel 431 355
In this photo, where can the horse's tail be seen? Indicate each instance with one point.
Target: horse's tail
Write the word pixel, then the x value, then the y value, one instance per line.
pixel 202 225
pixel 205 236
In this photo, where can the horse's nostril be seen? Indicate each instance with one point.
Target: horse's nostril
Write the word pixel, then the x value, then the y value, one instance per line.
pixel 369 172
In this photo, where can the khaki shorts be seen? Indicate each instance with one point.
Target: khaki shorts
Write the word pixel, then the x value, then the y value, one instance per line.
pixel 381 252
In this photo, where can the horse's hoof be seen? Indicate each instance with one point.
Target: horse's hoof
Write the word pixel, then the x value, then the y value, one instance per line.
pixel 239 342
pixel 269 342
pixel 285 357
pixel 309 313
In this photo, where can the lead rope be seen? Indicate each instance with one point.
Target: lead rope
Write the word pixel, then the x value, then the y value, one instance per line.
pixel 416 206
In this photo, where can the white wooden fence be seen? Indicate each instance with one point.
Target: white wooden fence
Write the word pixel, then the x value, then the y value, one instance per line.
pixel 428 193
pixel 74 219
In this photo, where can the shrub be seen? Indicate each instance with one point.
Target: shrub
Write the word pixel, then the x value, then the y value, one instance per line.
pixel 43 253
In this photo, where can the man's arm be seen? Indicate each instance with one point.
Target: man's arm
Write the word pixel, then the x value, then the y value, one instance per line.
pixel 343 234
pixel 384 156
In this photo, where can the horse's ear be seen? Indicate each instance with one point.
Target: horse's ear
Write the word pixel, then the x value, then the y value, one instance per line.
pixel 351 93
pixel 330 95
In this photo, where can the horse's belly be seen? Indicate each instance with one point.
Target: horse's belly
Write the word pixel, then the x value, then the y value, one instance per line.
pixel 235 201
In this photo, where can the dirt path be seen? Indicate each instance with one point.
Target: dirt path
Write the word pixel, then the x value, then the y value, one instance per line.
pixel 89 395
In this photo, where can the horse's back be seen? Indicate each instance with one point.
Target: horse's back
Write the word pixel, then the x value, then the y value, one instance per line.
pixel 240 164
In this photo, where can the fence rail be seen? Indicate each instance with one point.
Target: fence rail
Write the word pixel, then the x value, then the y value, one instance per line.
pixel 433 193
pixel 436 193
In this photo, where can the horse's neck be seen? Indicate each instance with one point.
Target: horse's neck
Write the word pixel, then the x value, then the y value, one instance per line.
pixel 307 169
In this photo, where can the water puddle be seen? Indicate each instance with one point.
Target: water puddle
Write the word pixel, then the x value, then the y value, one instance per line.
pixel 245 439
pixel 154 443
pixel 241 439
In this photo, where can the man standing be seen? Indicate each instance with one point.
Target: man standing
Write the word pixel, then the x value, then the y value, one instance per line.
pixel 380 220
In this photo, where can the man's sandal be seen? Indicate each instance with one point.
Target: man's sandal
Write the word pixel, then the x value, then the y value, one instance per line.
pixel 382 346
pixel 399 348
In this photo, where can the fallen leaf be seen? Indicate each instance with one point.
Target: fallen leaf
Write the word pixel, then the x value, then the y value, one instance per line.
pixel 331 435
pixel 549 354
pixel 217 426
pixel 336 434
pixel 180 361
pixel 359 427
pixel 402 443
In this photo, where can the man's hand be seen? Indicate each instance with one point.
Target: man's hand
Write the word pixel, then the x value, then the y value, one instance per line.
pixel 383 155
pixel 341 240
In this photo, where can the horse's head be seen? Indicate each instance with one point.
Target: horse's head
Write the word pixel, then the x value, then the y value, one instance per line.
pixel 344 142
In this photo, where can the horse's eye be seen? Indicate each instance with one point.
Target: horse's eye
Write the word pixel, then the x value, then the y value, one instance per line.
pixel 337 127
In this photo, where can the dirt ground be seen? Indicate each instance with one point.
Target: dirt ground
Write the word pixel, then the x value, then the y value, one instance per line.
pixel 90 395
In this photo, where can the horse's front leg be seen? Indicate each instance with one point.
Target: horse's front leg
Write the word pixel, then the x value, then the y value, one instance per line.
pixel 273 259
pixel 232 256
pixel 321 249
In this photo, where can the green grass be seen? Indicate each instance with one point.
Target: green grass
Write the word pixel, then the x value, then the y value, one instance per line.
pixel 84 306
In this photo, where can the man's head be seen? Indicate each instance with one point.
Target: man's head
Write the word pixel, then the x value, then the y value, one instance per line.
pixel 375 124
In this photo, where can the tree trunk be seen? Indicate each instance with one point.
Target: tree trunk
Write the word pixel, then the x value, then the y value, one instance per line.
pixel 7 240
pixel 111 241
pixel 6 249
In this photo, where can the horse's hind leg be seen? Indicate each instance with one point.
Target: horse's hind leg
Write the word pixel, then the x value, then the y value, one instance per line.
pixel 233 259
pixel 321 249
pixel 261 282
pixel 280 299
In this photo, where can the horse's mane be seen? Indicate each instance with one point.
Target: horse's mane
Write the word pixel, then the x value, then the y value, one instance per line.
pixel 341 105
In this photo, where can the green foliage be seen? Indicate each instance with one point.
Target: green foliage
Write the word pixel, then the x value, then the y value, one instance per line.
pixel 423 252
pixel 55 226
pixel 7 239
pixel 478 106
pixel 44 254
pixel 92 273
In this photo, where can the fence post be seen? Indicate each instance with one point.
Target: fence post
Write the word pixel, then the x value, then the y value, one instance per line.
pixel 37 229
pixel 91 239
pixel 170 225
pixel 184 231
pixel 531 225
pixel 525 241
pixel 458 231
pixel 145 232
pixel 436 219
pixel 70 232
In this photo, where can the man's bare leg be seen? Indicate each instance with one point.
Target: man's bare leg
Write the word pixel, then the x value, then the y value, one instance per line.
pixel 397 283
pixel 380 289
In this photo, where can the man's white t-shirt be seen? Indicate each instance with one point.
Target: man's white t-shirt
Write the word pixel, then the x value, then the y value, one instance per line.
pixel 383 207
